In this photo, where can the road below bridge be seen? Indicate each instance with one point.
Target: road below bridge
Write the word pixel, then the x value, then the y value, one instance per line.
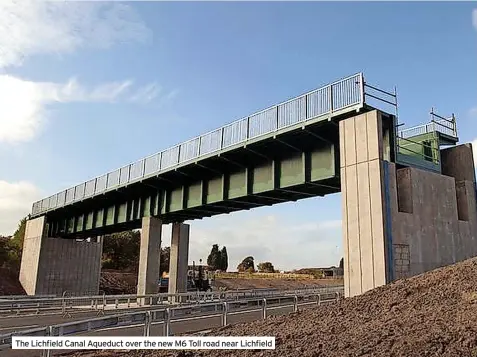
pixel 180 326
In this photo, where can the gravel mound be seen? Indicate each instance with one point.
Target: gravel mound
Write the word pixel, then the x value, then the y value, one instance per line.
pixel 433 314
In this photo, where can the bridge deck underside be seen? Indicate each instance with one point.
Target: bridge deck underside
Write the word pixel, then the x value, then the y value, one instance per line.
pixel 293 165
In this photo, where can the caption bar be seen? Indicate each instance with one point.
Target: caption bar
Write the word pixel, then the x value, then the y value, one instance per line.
pixel 142 343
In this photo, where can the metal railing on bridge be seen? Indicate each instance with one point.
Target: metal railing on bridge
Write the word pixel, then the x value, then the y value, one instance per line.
pixel 345 95
pixel 166 316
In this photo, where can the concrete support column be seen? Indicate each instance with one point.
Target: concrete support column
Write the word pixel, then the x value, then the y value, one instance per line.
pixel 149 256
pixel 179 259
pixel 363 189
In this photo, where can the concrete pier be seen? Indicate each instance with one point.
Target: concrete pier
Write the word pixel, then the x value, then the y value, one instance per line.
pixel 179 258
pixel 363 203
pixel 149 256
pixel 55 265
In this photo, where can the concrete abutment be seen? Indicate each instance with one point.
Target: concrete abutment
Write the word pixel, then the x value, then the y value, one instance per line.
pixel 53 266
pixel 401 221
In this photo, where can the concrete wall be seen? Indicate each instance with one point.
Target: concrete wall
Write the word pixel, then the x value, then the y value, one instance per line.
pixel 54 265
pixel 363 202
pixel 32 242
pixel 434 216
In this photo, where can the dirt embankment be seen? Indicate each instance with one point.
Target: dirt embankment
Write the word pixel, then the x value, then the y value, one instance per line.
pixel 9 284
pixel 115 282
pixel 281 284
pixel 433 314
pixel 111 282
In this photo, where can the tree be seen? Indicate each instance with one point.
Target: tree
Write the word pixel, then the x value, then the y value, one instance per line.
pixel 165 258
pixel 4 251
pixel 121 250
pixel 246 265
pixel 11 254
pixel 265 267
pixel 224 259
pixel 341 263
pixel 214 260
pixel 16 243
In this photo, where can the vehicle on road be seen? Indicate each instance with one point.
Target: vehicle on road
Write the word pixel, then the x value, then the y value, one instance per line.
pixel 197 280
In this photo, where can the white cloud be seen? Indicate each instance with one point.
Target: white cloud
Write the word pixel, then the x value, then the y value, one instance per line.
pixel 474 18
pixel 15 203
pixel 23 104
pixel 284 242
pixel 30 27
pixel 146 93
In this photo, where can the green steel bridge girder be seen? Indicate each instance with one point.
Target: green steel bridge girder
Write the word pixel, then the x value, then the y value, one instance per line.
pixel 300 169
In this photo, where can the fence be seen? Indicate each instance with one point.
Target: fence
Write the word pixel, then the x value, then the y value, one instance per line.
pixel 101 303
pixel 437 124
pixel 263 276
pixel 347 93
pixel 428 151
pixel 166 316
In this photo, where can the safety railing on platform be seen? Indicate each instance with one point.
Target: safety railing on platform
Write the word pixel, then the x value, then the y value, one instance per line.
pixel 345 94
pixel 437 123
pixel 166 316
pixel 68 305
pixel 427 150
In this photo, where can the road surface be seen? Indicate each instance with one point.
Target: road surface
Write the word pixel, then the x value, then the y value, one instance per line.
pixel 180 326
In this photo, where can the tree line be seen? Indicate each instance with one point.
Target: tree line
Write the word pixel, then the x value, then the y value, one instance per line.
pixel 121 252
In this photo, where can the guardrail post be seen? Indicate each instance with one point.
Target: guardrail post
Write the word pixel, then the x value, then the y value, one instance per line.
pixel 318 299
pixel 49 332
pixel 147 323
pixel 167 321
pixel 224 314
pixel 63 305
pixel 295 305
pixel 264 309
pixel 337 296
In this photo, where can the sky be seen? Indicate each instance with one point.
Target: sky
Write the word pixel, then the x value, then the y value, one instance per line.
pixel 87 87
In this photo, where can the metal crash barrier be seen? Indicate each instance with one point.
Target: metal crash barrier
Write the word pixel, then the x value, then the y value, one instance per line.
pixel 167 316
pixel 68 305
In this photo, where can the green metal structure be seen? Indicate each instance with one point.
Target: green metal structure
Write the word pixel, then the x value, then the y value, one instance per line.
pixel 284 153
